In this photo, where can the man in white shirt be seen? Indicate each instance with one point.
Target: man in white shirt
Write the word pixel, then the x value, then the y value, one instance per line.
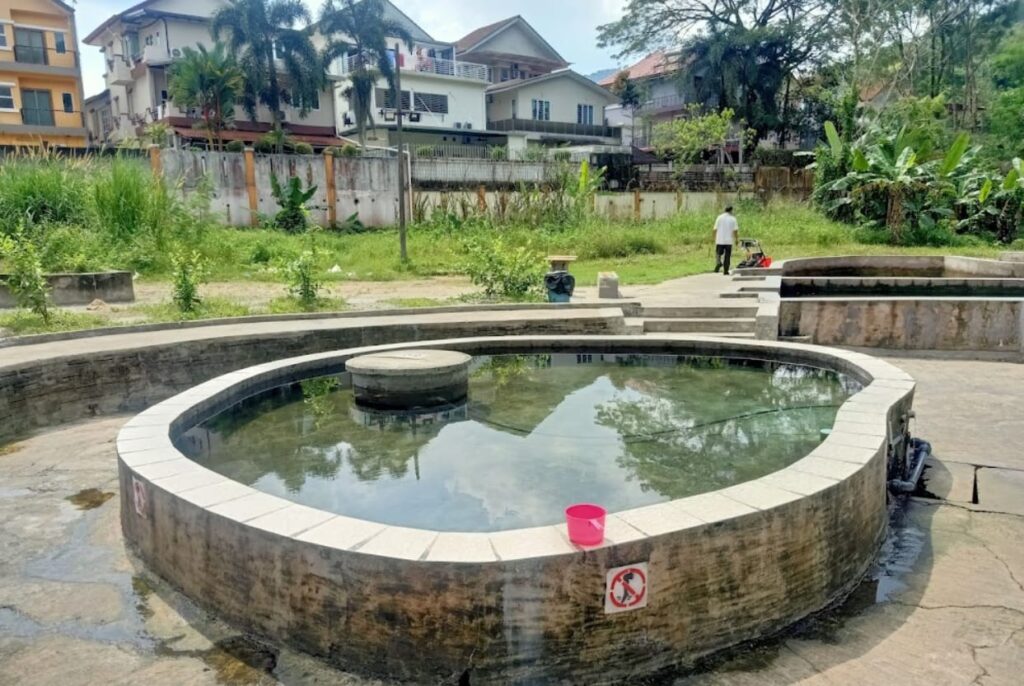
pixel 727 235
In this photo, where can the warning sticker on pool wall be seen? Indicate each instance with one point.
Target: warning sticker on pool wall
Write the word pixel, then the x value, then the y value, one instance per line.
pixel 626 589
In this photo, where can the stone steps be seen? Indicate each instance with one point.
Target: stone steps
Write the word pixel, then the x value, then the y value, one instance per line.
pixel 711 326
pixel 771 271
pixel 691 312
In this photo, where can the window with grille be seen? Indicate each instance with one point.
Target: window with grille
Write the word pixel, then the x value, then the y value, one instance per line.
pixel 59 43
pixel 3 37
pixel 68 102
pixel 541 110
pixel 6 97
pixel 432 102
pixel 386 99
pixel 584 114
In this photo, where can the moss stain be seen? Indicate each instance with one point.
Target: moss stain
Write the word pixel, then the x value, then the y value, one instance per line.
pixel 89 499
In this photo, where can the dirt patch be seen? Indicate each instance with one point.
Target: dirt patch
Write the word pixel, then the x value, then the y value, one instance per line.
pixel 10 449
pixel 89 499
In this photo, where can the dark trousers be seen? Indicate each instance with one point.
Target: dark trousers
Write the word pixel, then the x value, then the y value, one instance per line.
pixel 723 257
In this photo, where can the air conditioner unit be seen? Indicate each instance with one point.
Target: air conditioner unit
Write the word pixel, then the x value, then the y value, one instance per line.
pixel 458 124
pixel 175 52
pixel 469 125
pixel 415 117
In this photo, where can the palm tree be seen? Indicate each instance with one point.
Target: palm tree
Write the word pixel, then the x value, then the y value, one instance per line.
pixel 359 31
pixel 262 34
pixel 209 81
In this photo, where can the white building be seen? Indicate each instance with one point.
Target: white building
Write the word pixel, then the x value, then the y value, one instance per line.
pixel 534 98
pixel 138 45
pixel 444 96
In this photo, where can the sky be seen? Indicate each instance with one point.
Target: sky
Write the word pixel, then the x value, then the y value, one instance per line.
pixel 569 25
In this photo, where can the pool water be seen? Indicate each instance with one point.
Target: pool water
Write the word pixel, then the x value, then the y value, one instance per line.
pixel 537 433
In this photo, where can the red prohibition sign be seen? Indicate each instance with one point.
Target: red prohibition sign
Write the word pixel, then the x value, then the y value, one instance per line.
pixel 628 588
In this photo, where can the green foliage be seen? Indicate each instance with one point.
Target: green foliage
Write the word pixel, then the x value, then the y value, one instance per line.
pixel 619 244
pixel 303 149
pixel 26 323
pixel 686 138
pixel 130 202
pixel 924 120
pixel 209 81
pixel 291 198
pixel 302 281
pixel 25 279
pixel 1006 122
pixel 504 270
pixel 349 150
pixel 235 146
pixel 276 140
pixel 188 272
pixel 499 153
pixel 43 188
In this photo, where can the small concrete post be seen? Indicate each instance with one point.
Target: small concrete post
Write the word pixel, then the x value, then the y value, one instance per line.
pixel 679 201
pixel 481 199
pixel 250 186
pixel 154 161
pixel 332 190
pixel 636 205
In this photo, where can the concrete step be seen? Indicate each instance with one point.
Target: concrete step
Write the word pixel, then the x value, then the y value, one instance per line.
pixel 634 326
pixel 771 271
pixel 743 278
pixel 739 295
pixel 711 312
pixel 708 326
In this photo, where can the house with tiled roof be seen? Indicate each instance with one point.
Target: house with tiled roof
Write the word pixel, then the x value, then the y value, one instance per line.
pixel 667 89
pixel 534 97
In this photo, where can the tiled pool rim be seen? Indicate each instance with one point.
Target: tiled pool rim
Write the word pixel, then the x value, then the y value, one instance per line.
pixel 160 487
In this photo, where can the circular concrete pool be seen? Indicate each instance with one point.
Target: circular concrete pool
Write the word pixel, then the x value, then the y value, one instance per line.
pixel 731 517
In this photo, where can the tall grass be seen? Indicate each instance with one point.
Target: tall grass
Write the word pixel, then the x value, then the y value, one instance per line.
pixel 42 188
pixel 130 203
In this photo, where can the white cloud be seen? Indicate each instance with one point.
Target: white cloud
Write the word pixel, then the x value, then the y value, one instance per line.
pixel 569 25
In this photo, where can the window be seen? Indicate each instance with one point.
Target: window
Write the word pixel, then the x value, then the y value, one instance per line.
pixel 149 40
pixel 163 97
pixel 29 46
pixel 6 97
pixel 58 41
pixel 541 110
pixel 68 102
pixel 504 74
pixel 431 102
pixel 584 114
pixel 313 104
pixel 36 108
pixel 386 99
pixel 3 36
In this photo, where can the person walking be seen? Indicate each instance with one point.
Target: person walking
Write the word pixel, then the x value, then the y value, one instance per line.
pixel 727 235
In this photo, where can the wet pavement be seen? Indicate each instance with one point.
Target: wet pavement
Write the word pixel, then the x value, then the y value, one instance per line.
pixel 943 605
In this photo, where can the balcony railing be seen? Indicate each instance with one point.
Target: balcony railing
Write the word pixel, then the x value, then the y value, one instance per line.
pixel 33 54
pixel 666 102
pixel 555 127
pixel 423 65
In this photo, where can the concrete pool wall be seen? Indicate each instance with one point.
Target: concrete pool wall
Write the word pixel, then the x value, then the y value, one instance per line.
pixel 520 606
pixel 909 303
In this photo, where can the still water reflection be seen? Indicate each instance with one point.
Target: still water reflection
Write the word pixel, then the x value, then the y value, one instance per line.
pixel 538 432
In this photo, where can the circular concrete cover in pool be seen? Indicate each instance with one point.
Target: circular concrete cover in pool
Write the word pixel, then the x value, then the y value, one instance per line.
pixel 538 432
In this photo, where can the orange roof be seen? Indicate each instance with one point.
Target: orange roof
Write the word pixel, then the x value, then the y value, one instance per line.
pixel 656 64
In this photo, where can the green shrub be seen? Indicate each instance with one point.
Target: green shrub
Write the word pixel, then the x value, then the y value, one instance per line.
pixel 235 146
pixel 303 285
pixel 291 198
pixel 25 279
pixel 349 150
pixel 499 153
pixel 188 272
pixel 129 202
pixel 504 270
pixel 303 149
pixel 425 151
pixel 561 156
pixel 260 254
pixel 43 189
pixel 535 154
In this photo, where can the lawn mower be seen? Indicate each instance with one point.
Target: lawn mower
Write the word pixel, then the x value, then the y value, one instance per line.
pixel 755 259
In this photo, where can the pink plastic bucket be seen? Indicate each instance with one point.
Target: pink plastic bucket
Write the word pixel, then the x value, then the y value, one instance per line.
pixel 586 524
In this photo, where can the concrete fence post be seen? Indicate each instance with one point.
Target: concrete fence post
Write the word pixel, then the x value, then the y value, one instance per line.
pixel 481 198
pixel 332 189
pixel 250 186
pixel 636 205
pixel 154 161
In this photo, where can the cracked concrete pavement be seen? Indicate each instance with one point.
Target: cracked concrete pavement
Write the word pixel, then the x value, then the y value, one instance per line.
pixel 944 604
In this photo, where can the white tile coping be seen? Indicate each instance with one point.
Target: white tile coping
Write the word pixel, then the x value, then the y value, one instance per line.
pixel 858 437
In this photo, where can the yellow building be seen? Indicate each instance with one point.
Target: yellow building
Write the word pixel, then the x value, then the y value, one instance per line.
pixel 40 75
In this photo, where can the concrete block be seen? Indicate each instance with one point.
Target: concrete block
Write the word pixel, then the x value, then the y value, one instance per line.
pixel 608 286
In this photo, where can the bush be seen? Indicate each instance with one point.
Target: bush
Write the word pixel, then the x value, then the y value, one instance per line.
pixel 504 270
pixel 303 149
pixel 43 189
pixel 562 156
pixel 26 280
pixel 348 150
pixel 235 146
pixel 303 285
pixel 188 272
pixel 499 153
pixel 426 151
pixel 292 199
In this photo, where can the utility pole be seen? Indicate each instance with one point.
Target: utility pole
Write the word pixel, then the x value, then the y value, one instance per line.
pixel 401 155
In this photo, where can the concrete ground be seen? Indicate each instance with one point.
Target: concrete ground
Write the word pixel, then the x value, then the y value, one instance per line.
pixel 945 604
